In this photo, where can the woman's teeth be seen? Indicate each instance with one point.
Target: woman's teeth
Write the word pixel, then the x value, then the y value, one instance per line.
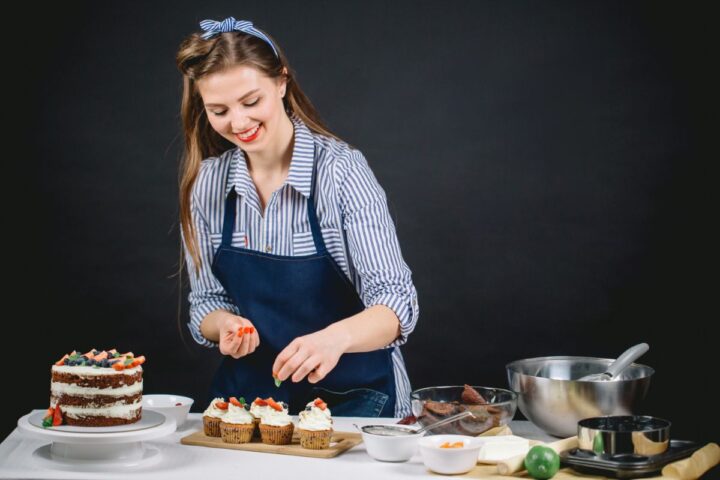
pixel 246 135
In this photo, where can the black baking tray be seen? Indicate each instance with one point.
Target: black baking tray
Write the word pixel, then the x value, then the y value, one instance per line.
pixel 627 465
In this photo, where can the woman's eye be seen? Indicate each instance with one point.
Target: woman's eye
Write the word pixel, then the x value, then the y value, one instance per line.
pixel 220 114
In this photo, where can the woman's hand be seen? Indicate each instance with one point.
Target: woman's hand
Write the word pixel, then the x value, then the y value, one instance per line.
pixel 232 342
pixel 313 355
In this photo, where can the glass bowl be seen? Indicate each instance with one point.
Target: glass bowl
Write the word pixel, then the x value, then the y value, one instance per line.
pixel 432 404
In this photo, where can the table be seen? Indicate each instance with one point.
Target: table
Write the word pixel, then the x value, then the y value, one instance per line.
pixel 179 462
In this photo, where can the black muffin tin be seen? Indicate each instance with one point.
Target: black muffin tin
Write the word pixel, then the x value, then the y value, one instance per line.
pixel 627 465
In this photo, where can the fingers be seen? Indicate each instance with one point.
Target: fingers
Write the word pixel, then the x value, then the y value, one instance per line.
pixel 293 364
pixel 245 343
pixel 238 337
pixel 283 357
pixel 228 343
pixel 248 341
pixel 307 366
pixel 318 373
pixel 322 370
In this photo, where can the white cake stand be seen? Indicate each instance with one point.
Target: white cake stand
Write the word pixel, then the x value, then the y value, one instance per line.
pixel 97 448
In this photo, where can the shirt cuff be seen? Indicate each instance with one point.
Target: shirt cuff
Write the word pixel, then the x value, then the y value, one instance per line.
pixel 406 309
pixel 199 312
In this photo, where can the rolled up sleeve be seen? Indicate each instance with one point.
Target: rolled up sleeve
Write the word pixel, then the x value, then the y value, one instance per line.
pixel 206 293
pixel 385 278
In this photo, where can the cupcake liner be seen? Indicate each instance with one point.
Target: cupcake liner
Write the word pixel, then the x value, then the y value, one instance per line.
pixel 315 439
pixel 236 433
pixel 211 425
pixel 275 435
pixel 256 428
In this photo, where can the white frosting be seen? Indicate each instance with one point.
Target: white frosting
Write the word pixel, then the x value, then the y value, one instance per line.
pixel 116 411
pixel 237 415
pixel 213 411
pixel 258 411
pixel 275 417
pixel 59 388
pixel 315 418
pixel 94 371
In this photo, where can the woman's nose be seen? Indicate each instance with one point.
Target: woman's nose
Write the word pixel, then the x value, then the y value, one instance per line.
pixel 239 122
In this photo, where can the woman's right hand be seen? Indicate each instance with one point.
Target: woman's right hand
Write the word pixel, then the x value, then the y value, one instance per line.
pixel 232 344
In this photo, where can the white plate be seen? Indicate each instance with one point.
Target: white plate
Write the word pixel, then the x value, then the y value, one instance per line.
pixel 149 419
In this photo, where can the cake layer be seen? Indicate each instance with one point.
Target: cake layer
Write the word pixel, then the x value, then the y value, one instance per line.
pixel 59 388
pixel 100 418
pixel 97 381
pixel 98 401
pixel 93 371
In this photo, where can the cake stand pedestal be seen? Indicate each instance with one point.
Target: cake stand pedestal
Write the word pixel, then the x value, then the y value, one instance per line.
pixel 97 448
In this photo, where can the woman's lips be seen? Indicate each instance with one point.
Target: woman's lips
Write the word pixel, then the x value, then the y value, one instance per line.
pixel 252 137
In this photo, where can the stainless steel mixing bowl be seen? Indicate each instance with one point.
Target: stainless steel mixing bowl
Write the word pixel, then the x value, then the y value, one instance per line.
pixel 551 397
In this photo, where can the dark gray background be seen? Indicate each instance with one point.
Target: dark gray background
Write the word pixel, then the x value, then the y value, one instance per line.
pixel 546 164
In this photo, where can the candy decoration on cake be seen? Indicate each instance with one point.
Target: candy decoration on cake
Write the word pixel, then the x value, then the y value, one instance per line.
pixel 97 388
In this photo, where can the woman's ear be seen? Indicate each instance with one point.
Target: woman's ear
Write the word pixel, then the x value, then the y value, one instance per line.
pixel 283 82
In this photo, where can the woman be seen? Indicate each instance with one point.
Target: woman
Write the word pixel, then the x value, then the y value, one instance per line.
pixel 295 269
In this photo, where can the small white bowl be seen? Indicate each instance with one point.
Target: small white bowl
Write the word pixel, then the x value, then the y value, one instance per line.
pixel 449 460
pixel 388 448
pixel 174 406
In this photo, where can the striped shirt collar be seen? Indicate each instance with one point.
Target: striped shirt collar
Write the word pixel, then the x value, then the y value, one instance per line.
pixel 300 173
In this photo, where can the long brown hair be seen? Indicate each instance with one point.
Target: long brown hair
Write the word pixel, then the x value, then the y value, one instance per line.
pixel 198 57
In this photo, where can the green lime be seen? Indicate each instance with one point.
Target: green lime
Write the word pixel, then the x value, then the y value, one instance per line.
pixel 542 462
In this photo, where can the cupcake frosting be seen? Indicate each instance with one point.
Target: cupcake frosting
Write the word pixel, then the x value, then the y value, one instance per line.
pixel 213 410
pixel 258 411
pixel 315 418
pixel 277 418
pixel 237 415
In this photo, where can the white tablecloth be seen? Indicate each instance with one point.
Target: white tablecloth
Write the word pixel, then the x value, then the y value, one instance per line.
pixel 178 462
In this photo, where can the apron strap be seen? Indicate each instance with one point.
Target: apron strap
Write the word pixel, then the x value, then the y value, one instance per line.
pixel 312 215
pixel 229 220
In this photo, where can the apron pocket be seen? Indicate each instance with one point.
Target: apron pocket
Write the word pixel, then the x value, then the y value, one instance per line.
pixel 358 402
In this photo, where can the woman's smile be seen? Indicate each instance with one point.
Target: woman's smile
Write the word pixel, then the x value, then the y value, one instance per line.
pixel 249 135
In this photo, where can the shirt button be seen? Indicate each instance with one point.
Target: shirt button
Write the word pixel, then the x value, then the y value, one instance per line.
pixel 268 248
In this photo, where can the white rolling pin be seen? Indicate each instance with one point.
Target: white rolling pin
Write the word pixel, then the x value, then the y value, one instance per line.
pixel 515 464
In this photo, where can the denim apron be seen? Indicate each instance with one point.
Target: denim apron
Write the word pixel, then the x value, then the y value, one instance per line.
pixel 286 297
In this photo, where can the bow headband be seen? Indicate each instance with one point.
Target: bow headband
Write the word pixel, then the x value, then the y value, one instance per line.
pixel 213 27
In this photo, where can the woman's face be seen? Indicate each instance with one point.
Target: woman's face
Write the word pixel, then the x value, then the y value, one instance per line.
pixel 244 106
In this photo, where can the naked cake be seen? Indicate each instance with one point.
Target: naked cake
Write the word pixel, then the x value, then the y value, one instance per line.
pixel 96 389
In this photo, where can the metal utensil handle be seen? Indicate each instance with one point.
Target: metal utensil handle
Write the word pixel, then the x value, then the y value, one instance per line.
pixel 628 356
pixel 445 421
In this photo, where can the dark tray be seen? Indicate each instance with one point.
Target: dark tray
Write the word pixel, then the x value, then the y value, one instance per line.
pixel 627 465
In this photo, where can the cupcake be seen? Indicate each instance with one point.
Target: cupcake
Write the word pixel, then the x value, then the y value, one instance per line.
pixel 213 416
pixel 276 427
pixel 316 425
pixel 258 408
pixel 236 426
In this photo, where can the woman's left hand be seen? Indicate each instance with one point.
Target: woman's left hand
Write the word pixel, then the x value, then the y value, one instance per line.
pixel 314 355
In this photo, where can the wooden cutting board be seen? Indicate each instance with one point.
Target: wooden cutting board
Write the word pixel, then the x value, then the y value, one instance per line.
pixel 339 443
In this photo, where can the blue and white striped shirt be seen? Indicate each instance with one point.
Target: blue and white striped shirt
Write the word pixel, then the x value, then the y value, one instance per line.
pixel 354 219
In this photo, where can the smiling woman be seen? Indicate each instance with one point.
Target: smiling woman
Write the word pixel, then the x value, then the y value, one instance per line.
pixel 243 118
pixel 287 236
